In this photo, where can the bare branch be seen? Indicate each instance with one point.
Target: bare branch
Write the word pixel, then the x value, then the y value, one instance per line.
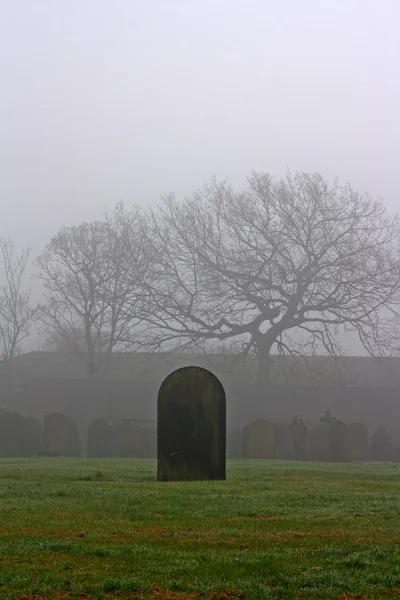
pixel 16 314
pixel 282 267
pixel 94 294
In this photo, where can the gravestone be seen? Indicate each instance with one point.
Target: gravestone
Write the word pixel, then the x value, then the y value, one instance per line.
pixel 381 446
pixel 99 439
pixel 19 436
pixel 329 442
pixel 358 442
pixel 283 441
pixel 10 442
pixel 301 438
pixel 258 439
pixel 191 426
pixel 338 438
pixel 60 435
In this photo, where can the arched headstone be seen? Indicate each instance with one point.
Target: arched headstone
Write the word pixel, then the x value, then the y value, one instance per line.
pixel 191 426
pixel 19 436
pixel 258 439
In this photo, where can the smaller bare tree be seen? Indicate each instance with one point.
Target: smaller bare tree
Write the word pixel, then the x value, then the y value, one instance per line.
pixel 16 314
pixel 92 276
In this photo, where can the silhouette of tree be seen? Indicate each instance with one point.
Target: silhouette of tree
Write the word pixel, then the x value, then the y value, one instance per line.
pixel 16 314
pixel 277 269
pixel 92 276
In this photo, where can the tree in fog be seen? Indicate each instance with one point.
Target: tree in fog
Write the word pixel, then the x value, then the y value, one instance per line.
pixel 16 314
pixel 92 277
pixel 279 268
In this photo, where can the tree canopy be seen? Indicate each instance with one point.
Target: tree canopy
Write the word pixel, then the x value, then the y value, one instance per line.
pixel 280 267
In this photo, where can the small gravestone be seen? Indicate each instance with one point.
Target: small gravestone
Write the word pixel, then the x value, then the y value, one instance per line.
pixel 301 438
pixel 258 439
pixel 283 441
pixel 381 446
pixel 99 439
pixel 191 426
pixel 19 436
pixel 338 442
pixel 10 436
pixel 60 435
pixel 358 442
pixel 329 442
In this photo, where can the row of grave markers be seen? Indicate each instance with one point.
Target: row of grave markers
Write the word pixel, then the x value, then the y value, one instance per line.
pixel 191 434
pixel 331 441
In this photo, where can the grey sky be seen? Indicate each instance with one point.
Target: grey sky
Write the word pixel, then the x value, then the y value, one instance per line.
pixel 105 100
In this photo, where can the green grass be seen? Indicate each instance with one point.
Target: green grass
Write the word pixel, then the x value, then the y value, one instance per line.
pixel 76 528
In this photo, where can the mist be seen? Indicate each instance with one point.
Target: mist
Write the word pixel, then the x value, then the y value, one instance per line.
pixel 127 101
pixel 132 102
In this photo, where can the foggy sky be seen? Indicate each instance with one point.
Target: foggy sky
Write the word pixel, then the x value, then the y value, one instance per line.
pixel 125 100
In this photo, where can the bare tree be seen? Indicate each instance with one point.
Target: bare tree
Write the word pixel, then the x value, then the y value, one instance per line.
pixel 93 292
pixel 277 269
pixel 16 314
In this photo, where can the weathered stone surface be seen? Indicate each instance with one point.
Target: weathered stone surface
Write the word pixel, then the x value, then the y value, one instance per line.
pixel 60 435
pixel 381 446
pixel 301 438
pixel 358 442
pixel 19 436
pixel 258 439
pixel 99 439
pixel 191 426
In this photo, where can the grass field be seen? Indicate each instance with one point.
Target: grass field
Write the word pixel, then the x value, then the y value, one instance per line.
pixel 76 528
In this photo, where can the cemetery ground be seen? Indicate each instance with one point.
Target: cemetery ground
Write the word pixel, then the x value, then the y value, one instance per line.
pixel 79 528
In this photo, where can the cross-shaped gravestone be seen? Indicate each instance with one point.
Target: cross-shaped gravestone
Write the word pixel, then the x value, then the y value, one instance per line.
pixel 328 419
